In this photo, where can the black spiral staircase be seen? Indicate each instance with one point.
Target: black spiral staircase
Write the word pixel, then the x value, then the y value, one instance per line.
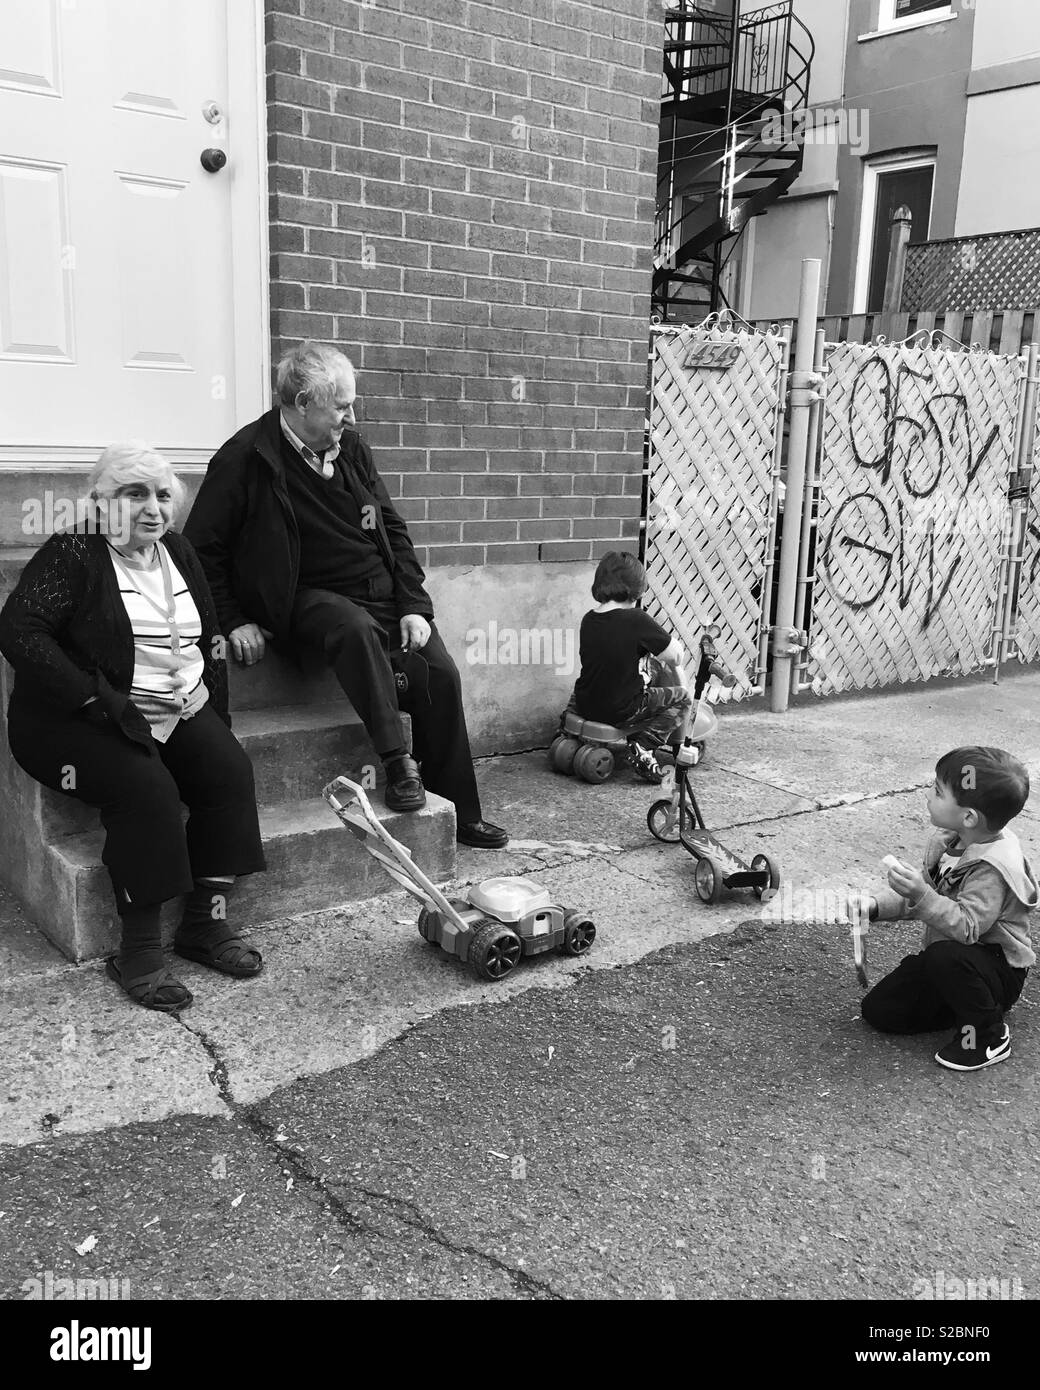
pixel 726 149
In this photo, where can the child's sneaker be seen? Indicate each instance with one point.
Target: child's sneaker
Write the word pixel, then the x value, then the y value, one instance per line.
pixel 643 762
pixel 960 1058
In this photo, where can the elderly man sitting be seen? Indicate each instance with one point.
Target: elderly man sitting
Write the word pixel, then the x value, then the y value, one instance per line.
pixel 299 539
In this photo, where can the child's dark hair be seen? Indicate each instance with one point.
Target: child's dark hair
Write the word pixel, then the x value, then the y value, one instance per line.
pixel 619 577
pixel 987 780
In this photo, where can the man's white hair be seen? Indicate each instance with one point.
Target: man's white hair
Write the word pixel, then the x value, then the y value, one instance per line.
pixel 128 461
pixel 313 369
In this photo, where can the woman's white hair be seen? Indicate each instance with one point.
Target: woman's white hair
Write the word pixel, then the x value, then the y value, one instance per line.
pixel 123 463
pixel 312 368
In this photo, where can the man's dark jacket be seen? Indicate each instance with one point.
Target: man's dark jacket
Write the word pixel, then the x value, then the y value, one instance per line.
pixel 65 631
pixel 243 527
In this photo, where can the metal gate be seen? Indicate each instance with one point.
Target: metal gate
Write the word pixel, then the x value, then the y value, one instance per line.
pixel 715 431
pixel 913 529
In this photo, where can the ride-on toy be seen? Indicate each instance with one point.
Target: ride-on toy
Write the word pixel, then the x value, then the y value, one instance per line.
pixel 587 749
pixel 678 818
pixel 499 921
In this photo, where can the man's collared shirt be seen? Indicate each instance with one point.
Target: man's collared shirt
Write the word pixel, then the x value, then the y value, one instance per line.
pixel 323 467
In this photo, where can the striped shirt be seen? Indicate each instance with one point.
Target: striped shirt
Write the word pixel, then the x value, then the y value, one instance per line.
pixel 168 665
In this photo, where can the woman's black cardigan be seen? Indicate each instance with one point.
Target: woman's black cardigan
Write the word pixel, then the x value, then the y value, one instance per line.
pixel 65 631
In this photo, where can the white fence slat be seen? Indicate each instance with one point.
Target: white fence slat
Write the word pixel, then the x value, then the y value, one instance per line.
pixel 711 497
pixel 917 452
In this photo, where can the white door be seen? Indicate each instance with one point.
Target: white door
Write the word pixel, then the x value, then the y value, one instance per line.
pixel 120 312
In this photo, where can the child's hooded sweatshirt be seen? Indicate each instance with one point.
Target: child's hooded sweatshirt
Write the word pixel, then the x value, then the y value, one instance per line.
pixel 984 896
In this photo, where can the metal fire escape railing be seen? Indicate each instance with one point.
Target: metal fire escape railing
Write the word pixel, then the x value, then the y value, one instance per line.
pixel 730 143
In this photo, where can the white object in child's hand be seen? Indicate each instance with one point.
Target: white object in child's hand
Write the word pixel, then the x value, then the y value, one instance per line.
pixel 892 861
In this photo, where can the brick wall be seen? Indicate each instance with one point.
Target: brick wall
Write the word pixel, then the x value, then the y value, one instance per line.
pixel 462 197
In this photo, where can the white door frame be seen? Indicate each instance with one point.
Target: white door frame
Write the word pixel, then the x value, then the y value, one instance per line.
pixel 250 258
pixel 247 166
pixel 892 164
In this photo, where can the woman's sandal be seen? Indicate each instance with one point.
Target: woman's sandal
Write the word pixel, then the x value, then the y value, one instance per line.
pixel 229 954
pixel 144 989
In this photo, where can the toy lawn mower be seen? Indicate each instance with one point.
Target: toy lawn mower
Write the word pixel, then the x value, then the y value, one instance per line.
pixel 499 920
pixel 678 819
pixel 589 750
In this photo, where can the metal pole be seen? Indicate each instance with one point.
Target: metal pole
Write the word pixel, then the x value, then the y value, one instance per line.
pixel 1029 402
pixel 801 606
pixel 898 241
pixel 727 158
pixel 1019 506
pixel 802 399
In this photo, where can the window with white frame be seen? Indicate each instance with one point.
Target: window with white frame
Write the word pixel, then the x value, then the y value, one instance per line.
pixel 895 14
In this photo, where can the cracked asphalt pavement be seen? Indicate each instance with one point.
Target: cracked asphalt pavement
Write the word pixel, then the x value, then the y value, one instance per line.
pixel 693 1111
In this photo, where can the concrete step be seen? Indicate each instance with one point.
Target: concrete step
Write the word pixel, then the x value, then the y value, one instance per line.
pixel 294 753
pixel 277 682
pixel 313 864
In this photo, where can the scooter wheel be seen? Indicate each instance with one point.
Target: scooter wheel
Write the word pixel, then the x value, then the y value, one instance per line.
pixel 662 822
pixel 593 764
pixel 561 753
pixel 708 881
pixel 579 932
pixel 762 864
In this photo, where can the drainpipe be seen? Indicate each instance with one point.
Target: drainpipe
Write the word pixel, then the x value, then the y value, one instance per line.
pixel 832 201
pixel 806 391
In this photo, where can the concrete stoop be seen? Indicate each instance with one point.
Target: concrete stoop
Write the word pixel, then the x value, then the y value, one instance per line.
pixel 299 733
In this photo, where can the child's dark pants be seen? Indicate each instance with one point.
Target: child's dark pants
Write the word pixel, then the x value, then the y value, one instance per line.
pixel 947 984
pixel 663 703
pixel 664 706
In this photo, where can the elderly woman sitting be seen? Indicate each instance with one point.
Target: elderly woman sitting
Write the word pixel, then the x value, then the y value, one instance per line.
pixel 120 700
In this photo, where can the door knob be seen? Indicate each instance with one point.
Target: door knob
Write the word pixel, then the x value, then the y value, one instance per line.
pixel 212 160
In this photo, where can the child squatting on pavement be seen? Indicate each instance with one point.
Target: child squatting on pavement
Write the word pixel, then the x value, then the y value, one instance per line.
pixel 974 898
pixel 615 636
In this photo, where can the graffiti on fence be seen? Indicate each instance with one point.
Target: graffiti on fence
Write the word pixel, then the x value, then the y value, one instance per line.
pixel 1034 568
pixel 1027 596
pixel 923 443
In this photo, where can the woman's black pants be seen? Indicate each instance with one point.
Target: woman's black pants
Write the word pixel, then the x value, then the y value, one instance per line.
pixel 150 852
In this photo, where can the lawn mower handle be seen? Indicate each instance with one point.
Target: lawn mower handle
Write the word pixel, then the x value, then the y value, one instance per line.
pixel 329 792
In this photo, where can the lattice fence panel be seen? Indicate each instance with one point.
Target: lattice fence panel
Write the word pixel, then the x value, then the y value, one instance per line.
pixel 913 516
pixel 711 511
pixel 973 273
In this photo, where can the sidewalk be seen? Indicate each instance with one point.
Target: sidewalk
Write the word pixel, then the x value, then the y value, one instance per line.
pixel 409 1155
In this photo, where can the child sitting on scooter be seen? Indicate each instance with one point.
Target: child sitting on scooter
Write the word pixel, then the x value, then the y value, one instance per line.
pixel 974 897
pixel 615 636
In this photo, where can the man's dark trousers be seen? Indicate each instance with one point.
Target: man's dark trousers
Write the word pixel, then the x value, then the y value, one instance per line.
pixel 356 636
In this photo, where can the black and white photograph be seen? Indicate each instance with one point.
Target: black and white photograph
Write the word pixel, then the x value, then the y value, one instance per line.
pixel 519 671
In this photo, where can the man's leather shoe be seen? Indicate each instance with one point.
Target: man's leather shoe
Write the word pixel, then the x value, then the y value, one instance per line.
pixel 482 835
pixel 404 788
